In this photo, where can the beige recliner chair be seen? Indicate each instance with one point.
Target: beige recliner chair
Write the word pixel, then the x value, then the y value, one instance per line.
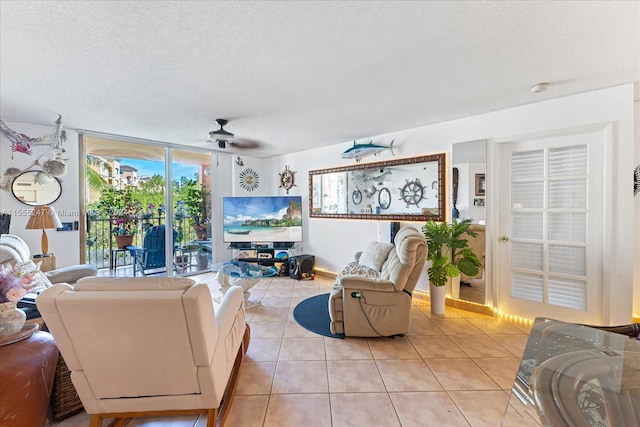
pixel 14 249
pixel 372 295
pixel 150 346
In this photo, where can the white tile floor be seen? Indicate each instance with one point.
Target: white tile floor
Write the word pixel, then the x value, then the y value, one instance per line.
pixel 454 369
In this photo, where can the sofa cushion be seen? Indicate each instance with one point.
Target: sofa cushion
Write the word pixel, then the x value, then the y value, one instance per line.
pixel 375 254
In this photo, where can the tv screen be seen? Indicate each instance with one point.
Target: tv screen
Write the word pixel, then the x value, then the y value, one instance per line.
pixel 262 219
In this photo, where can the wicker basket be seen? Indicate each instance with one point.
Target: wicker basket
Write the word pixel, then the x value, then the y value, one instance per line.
pixel 64 399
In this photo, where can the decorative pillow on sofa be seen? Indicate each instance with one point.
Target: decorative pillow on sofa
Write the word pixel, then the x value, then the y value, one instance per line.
pixel 375 255
pixel 355 269
pixel 31 276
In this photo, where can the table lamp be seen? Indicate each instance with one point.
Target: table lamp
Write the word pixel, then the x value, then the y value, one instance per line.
pixel 43 217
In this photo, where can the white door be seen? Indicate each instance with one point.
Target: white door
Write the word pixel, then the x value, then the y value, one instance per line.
pixel 550 230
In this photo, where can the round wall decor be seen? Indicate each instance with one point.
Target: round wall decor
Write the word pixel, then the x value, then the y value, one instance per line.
pixel 412 192
pixel 356 196
pixel 249 179
pixel 384 198
pixel 287 179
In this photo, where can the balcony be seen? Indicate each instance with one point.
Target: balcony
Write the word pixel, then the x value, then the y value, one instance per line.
pixel 102 251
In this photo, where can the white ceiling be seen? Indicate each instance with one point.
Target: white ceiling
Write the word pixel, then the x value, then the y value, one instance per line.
pixel 297 75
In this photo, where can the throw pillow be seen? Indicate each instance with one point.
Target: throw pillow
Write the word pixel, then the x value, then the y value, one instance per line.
pixel 355 269
pixel 375 254
pixel 31 272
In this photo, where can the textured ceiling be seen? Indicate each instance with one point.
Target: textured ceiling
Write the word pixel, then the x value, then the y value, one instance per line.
pixel 297 75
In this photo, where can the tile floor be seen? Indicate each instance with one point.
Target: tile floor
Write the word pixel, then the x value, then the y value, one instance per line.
pixel 454 369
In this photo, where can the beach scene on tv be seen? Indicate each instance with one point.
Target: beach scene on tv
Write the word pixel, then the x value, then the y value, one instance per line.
pixel 262 219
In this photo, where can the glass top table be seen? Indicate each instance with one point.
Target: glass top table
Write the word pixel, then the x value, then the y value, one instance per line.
pixel 574 375
pixel 243 274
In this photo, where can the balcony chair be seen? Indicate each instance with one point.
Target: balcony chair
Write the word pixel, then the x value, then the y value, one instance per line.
pixel 150 258
pixel 148 346
pixel 372 295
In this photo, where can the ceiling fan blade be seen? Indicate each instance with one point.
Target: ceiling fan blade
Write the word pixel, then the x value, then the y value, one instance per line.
pixel 243 143
pixel 224 138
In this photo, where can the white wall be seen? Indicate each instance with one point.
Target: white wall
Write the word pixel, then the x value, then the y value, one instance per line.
pixel 63 244
pixel 333 241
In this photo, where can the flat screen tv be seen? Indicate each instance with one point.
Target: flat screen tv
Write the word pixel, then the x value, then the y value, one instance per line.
pixel 262 219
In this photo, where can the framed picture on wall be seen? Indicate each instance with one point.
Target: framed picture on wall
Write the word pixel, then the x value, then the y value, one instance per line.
pixel 480 184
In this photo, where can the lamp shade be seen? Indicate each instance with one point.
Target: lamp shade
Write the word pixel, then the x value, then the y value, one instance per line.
pixel 43 217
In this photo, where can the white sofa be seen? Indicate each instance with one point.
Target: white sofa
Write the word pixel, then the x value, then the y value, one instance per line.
pixel 148 346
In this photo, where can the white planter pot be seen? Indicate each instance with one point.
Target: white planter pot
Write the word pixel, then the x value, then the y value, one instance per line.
pixel 436 294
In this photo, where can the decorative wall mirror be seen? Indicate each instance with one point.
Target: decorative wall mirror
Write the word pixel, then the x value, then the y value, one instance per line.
pixel 35 188
pixel 469 167
pixel 410 189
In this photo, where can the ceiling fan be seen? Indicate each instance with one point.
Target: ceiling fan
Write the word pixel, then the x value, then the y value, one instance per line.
pixel 223 137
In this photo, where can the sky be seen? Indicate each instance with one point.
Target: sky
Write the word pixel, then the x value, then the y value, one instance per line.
pixel 150 168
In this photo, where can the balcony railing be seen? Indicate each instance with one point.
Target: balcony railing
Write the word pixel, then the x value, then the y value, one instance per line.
pixel 101 241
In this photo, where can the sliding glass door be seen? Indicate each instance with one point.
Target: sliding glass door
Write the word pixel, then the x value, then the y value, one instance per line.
pixel 148 208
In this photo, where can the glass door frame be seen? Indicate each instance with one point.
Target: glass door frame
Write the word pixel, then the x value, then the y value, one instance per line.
pixel 168 169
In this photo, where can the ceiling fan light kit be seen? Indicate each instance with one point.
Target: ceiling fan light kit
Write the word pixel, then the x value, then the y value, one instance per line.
pixel 223 138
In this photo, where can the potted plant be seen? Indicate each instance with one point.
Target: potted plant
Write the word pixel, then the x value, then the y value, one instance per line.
pixel 124 214
pixel 195 200
pixel 449 254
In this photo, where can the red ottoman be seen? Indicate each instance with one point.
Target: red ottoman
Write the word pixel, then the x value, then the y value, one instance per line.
pixel 27 369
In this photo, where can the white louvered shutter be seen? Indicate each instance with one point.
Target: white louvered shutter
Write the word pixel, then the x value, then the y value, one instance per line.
pixel 549 225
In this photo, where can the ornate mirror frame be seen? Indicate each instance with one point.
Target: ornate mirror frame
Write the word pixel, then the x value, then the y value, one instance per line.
pixel 416 187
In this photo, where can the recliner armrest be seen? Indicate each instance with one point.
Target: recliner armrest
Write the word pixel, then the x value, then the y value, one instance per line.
pixel 71 274
pixel 366 284
pixel 231 303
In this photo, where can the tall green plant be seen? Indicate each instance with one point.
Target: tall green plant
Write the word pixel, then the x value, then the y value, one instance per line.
pixel 195 198
pixel 449 251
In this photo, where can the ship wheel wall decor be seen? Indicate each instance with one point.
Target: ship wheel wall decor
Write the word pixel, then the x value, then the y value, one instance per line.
pixel 412 193
pixel 287 179
pixel 249 179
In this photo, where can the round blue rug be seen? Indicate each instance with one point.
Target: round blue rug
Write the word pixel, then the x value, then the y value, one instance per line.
pixel 313 315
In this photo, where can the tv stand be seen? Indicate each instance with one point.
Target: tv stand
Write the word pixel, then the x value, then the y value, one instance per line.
pixel 263 254
pixel 254 246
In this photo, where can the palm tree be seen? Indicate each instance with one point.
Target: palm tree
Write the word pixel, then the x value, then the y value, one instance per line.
pixel 94 179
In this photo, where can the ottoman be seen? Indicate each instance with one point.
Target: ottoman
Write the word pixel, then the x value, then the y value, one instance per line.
pixel 27 369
